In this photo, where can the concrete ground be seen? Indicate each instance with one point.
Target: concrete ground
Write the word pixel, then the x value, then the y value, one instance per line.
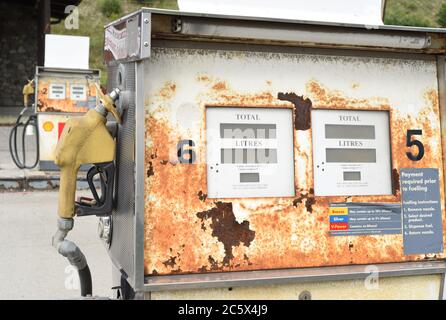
pixel 30 268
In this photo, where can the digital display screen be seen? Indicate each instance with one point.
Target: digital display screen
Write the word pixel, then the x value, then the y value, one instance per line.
pixel 248 156
pixel 351 155
pixel 249 177
pixel 352 176
pixel 248 131
pixel 344 131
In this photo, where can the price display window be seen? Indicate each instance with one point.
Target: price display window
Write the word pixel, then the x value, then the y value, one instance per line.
pixel 249 152
pixel 351 153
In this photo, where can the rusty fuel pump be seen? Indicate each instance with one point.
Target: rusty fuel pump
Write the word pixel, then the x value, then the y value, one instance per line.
pixel 85 140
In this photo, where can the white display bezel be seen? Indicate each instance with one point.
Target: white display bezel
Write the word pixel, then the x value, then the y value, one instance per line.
pixel 275 179
pixel 57 96
pixel 78 97
pixel 329 176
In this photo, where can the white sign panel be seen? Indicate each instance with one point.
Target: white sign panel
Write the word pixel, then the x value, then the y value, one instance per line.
pixel 351 153
pixel 249 152
pixel 365 12
pixel 71 52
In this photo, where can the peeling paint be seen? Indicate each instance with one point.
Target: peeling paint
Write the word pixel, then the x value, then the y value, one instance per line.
pixel 395 181
pixel 226 229
pixel 202 196
pixel 302 109
pixel 150 169
pixel 309 201
pixel 170 262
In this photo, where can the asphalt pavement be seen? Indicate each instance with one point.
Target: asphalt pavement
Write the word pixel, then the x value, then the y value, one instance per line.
pixel 30 268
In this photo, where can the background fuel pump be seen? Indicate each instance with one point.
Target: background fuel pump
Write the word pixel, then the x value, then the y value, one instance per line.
pixel 85 140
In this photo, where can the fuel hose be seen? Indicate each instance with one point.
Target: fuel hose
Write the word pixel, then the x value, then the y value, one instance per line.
pixel 20 159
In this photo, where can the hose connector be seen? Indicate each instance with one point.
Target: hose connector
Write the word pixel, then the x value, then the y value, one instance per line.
pixel 107 103
pixel 71 251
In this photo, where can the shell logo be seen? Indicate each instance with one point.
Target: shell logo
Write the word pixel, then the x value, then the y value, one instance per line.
pixel 48 126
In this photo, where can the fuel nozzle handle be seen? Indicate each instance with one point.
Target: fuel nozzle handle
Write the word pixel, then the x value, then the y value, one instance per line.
pixel 28 89
pixel 84 140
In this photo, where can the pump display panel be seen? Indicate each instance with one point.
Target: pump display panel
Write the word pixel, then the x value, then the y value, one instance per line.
pixel 249 152
pixel 351 151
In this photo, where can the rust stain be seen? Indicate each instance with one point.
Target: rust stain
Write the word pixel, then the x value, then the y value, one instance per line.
pixel 202 196
pixel 170 262
pixel 150 169
pixel 395 181
pixel 309 201
pixel 302 109
pixel 202 77
pixel 309 204
pixel 220 93
pixel 350 246
pixel 220 235
pixel 321 96
pixel 219 86
pixel 167 91
pixel 213 266
pixel 226 228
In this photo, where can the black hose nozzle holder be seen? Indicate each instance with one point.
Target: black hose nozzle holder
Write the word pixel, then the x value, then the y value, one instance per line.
pixel 100 205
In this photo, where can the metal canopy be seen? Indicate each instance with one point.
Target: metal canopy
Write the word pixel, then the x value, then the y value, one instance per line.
pixel 266 19
pixel 205 27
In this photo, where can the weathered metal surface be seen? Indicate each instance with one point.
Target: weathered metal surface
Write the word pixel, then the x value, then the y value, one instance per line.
pixel 399 288
pixel 186 232
pixel 45 104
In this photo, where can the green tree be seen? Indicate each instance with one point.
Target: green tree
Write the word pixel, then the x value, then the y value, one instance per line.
pixel 441 15
pixel 110 7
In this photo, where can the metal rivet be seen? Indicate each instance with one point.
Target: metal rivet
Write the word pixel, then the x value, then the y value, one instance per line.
pixel 146 20
pixel 305 295
pixel 146 44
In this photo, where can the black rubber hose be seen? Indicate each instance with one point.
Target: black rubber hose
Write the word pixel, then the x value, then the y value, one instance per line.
pixel 13 138
pixel 85 281
pixel 33 122
pixel 21 163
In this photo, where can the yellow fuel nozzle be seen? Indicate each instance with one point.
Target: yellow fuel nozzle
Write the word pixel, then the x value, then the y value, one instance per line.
pixel 108 101
pixel 84 140
pixel 28 89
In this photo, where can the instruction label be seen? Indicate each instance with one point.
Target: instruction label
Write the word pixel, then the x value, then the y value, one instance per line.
pixel 359 219
pixel 422 219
